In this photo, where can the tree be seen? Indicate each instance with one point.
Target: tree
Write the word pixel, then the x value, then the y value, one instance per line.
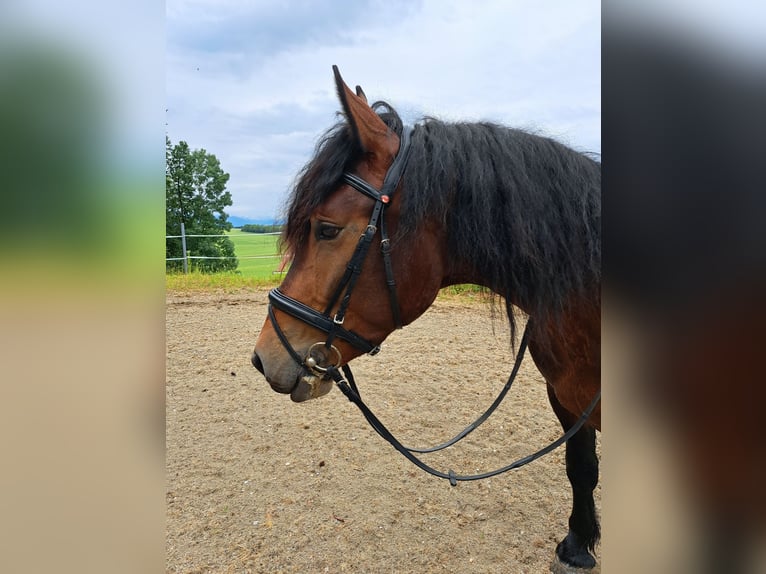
pixel 261 228
pixel 195 194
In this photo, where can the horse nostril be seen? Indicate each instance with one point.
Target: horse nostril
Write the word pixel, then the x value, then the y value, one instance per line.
pixel 256 360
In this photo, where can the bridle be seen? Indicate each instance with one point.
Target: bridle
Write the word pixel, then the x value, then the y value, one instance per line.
pixel 315 360
pixel 333 324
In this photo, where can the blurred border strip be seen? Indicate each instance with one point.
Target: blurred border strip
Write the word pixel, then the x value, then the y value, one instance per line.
pixel 81 286
pixel 684 324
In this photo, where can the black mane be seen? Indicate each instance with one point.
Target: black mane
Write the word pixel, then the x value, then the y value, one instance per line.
pixel 523 210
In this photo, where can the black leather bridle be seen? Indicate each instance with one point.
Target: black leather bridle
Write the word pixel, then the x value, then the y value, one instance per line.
pixel 333 326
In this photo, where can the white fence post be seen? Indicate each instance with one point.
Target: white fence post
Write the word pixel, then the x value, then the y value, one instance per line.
pixel 183 247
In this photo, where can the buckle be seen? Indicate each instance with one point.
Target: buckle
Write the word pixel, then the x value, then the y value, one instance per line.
pixel 338 321
pixel 368 234
pixel 374 351
pixel 385 245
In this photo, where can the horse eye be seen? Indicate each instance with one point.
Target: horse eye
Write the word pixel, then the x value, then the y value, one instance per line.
pixel 327 231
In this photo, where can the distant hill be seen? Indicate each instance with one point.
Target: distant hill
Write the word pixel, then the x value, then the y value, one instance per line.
pixel 240 221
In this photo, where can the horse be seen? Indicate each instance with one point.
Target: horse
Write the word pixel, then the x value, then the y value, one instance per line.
pixel 445 203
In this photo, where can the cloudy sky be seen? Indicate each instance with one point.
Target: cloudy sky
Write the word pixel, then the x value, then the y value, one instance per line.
pixel 252 82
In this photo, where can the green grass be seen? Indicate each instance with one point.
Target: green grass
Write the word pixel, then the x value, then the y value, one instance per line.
pixel 261 272
pixel 250 274
pixel 226 281
pixel 256 245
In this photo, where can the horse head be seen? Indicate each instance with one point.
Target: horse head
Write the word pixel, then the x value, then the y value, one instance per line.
pixel 345 291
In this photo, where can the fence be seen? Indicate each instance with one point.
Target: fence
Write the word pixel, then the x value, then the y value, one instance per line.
pixel 236 238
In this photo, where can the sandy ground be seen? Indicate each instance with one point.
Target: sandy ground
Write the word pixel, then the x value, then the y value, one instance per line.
pixel 257 483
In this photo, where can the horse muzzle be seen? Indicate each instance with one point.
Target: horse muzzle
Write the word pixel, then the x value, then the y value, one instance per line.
pixel 302 382
pixel 279 380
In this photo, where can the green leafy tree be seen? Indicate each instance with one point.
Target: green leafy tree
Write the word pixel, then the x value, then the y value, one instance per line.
pixel 195 194
pixel 261 228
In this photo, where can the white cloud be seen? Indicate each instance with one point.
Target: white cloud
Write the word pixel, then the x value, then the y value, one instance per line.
pixel 523 63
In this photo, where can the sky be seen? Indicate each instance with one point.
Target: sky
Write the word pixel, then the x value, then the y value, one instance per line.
pixel 252 83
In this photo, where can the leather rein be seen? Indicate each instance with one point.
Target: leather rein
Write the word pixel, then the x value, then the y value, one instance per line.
pixel 315 361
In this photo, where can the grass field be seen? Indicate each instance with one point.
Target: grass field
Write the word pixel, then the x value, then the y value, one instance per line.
pixel 261 270
pixel 260 246
pixel 258 261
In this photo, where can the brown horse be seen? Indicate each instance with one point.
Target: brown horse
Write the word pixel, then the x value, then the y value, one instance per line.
pixel 444 203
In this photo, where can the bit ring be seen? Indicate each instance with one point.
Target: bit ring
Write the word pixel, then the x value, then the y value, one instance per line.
pixel 312 365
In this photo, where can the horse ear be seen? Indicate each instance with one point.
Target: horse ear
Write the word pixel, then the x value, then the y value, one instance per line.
pixel 371 132
pixel 361 94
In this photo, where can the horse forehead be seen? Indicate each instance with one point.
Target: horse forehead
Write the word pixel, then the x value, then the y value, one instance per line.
pixel 347 200
pixel 375 174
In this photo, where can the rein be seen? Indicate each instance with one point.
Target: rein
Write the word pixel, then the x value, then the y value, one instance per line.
pixel 348 387
pixel 316 361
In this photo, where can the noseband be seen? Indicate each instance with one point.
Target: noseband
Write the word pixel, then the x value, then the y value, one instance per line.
pixel 316 360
